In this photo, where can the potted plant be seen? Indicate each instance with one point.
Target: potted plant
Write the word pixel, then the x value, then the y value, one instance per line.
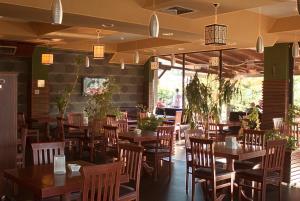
pixel 149 124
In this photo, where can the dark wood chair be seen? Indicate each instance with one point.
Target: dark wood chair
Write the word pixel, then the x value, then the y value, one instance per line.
pixel 21 149
pixel 101 182
pixel 97 139
pixel 131 157
pixel 122 126
pixel 43 153
pixel 204 168
pixel 294 130
pixel 270 173
pixel 111 141
pixel 111 120
pixel 77 121
pixel 252 138
pixel 188 134
pixel 163 148
pixel 22 123
pixel 123 116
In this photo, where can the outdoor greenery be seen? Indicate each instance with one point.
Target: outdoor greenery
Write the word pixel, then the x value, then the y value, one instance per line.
pixel 149 123
pixel 276 135
pixel 253 118
pixel 62 101
pixel 100 104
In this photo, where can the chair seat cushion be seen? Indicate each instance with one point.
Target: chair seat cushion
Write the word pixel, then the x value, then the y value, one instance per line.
pixel 127 192
pixel 256 175
pixel 160 150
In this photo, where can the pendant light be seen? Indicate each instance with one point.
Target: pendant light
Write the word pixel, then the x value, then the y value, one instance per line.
pixel 98 49
pixel 122 65
pixel 298 6
pixel 173 60
pixel 57 12
pixel 87 62
pixel 136 57
pixel 154 24
pixel 259 42
pixel 295 49
pixel 47 59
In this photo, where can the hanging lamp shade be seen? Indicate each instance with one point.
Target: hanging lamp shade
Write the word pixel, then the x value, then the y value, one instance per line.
pixel 298 6
pixel 122 65
pixel 57 12
pixel 154 26
pixel 98 51
pixel 173 60
pixel 87 62
pixel 47 59
pixel 136 57
pixel 295 49
pixel 260 45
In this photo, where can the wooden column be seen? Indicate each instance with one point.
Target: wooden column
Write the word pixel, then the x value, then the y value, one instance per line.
pixel 183 81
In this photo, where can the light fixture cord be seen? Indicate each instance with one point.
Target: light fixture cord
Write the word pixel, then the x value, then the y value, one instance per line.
pixel 98 36
pixel 216 12
pixel 259 21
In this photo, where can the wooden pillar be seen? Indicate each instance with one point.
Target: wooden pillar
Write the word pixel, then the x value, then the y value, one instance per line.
pixel 220 65
pixel 277 64
pixel 183 81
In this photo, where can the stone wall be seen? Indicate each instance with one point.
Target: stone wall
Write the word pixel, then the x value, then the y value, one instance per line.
pixel 62 74
pixel 21 65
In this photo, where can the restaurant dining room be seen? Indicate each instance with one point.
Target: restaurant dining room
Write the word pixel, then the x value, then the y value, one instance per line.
pixel 149 100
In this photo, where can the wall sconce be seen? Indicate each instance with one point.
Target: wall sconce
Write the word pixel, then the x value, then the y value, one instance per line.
pixel 41 83
pixel 2 82
pixel 47 59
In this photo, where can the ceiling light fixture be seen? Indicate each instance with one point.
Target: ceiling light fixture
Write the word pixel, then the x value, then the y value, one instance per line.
pixel 87 62
pixel 47 58
pixel 168 34
pixel 122 64
pixel 298 6
pixel 173 60
pixel 108 25
pixel 295 49
pixel 98 49
pixel 154 24
pixel 215 34
pixel 136 57
pixel 259 42
pixel 57 12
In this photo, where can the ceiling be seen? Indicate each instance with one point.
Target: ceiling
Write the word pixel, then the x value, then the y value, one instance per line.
pixel 124 24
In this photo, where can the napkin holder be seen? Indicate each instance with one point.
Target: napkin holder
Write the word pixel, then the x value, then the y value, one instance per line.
pixel 59 164
pixel 231 142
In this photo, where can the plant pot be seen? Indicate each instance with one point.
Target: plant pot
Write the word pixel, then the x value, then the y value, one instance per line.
pixel 291 167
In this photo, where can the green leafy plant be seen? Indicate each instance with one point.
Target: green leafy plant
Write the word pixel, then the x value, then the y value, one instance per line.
pixel 100 104
pixel 149 123
pixel 293 113
pixel 253 118
pixel 62 101
pixel 276 135
pixel 142 108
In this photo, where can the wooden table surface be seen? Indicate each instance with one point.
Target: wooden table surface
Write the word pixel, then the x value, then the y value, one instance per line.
pixel 138 138
pixel 43 183
pixel 243 152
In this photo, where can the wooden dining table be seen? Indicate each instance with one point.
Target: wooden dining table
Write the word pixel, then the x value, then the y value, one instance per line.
pixel 138 138
pixel 243 152
pixel 43 183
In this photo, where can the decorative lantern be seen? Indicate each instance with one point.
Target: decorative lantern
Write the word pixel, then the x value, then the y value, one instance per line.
pixel 295 49
pixel 215 34
pixel 57 12
pixel 136 57
pixel 47 59
pixel 154 26
pixel 214 61
pixel 98 49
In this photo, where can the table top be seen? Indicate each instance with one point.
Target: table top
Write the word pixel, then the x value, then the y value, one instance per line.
pixel 167 117
pixel 143 137
pixel 44 119
pixel 243 152
pixel 41 180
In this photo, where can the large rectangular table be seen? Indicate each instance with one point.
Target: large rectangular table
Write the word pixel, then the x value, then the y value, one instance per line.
pixel 43 183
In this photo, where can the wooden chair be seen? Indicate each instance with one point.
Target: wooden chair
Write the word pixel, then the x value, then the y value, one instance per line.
pixel 188 134
pixel 111 140
pixel 101 182
pixel 43 153
pixel 123 116
pixel 163 148
pixel 21 121
pixel 251 138
pixel 131 157
pixel 76 120
pixel 213 131
pixel 111 120
pixel 270 173
pixel 122 126
pixel 71 143
pixel 294 130
pixel 97 140
pixel 21 149
pixel 204 168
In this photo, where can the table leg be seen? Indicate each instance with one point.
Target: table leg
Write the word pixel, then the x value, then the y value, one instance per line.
pixel 230 164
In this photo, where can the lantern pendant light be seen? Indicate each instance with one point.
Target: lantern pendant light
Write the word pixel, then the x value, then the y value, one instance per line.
pixel 136 57
pixel 154 24
pixel 122 65
pixel 87 62
pixel 173 60
pixel 47 58
pixel 57 12
pixel 98 49
pixel 298 6
pixel 259 45
pixel 295 49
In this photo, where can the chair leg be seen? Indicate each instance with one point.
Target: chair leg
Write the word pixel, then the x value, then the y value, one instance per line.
pixel 231 187
pixel 170 165
pixel 240 189
pixel 280 191
pixel 193 188
pixel 187 180
pixel 263 191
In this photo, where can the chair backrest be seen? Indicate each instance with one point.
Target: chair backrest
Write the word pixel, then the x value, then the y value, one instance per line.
pixel 254 137
pixel 165 137
pixel 142 115
pixel 131 157
pixel 101 182
pixel 294 131
pixel 60 128
pixel 123 116
pixel 21 148
pixel 75 119
pixel 111 135
pixel 43 153
pixel 97 126
pixel 202 151
pixel 274 158
pixel 122 126
pixel 178 116
pixel 111 120
pixel 191 133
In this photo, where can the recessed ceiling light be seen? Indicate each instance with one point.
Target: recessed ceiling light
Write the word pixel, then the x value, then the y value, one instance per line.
pixel 56 39
pixel 108 25
pixel 181 48
pixel 168 34
pixel 122 38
